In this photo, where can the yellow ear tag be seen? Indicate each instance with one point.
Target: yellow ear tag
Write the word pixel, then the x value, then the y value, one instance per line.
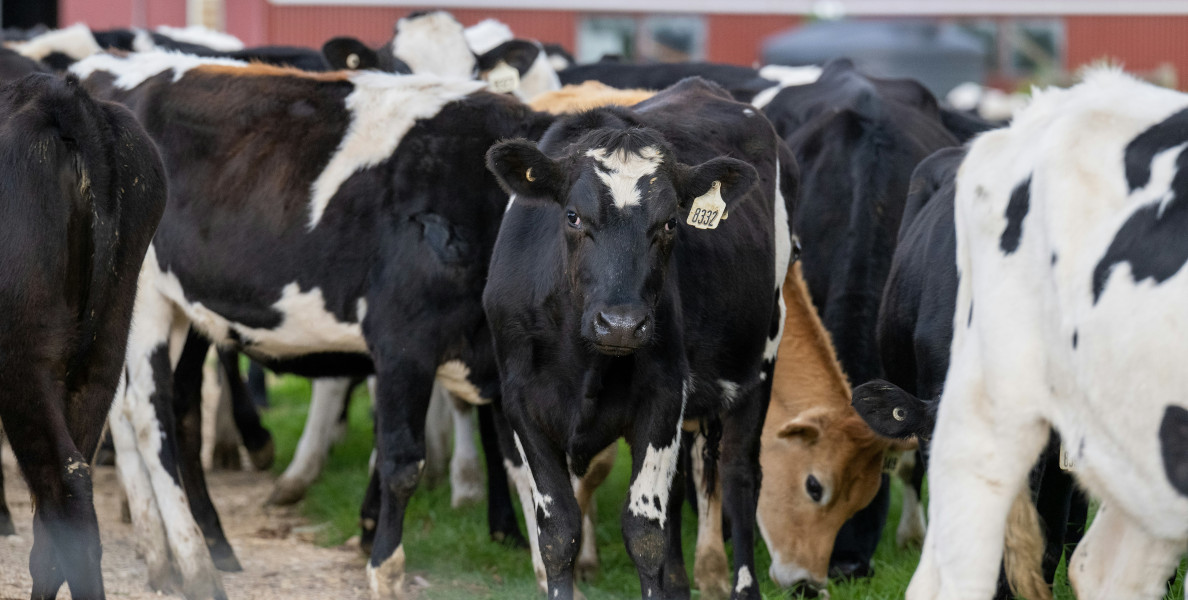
pixel 708 208
pixel 1066 461
pixel 503 79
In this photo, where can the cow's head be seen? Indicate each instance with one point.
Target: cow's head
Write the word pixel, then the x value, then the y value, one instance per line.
pixel 820 467
pixel 622 198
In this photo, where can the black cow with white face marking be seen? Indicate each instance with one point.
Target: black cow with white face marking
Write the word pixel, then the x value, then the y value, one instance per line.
pixel 328 225
pixel 616 314
pixel 82 191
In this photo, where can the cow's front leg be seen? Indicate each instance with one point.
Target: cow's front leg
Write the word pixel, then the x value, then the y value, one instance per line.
pixel 404 383
pixel 655 440
pixel 981 453
pixel 1118 559
pixel 558 518
pixel 741 479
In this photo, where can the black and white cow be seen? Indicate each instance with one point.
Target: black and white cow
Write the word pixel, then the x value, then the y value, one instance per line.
pixel 617 314
pixel 1070 227
pixel 915 334
pixel 757 86
pixel 83 190
pixel 856 139
pixel 434 42
pixel 327 224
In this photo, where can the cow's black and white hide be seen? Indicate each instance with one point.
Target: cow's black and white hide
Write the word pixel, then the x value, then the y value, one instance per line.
pixel 1069 252
pixel 614 316
pixel 83 190
pixel 325 224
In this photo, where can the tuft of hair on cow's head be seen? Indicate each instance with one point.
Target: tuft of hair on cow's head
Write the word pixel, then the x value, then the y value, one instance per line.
pixel 621 198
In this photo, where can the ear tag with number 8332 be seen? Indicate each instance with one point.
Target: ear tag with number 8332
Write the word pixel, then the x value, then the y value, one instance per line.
pixel 708 209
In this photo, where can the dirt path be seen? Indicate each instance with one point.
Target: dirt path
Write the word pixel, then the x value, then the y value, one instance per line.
pixel 274 545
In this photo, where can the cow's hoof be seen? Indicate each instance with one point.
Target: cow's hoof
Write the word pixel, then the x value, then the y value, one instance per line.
pixel 226 458
pixel 162 578
pixel 286 492
pixel 367 536
pixel 851 569
pixel 711 573
pixel 205 588
pixel 511 539
pixel 6 526
pixel 387 579
pixel 466 483
pixel 586 569
pixel 911 529
pixel 105 456
pixel 263 457
pixel 224 559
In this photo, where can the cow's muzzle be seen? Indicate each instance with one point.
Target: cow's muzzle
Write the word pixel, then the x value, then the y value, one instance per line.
pixel 620 330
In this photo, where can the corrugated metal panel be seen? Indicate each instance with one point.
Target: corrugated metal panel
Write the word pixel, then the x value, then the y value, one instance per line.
pixel 313 25
pixel 1141 43
pixel 736 38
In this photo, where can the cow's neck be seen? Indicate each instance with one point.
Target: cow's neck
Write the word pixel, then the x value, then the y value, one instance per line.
pixel 807 361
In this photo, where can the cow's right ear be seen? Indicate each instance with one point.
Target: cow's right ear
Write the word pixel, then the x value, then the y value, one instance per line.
pixel 349 53
pixel 522 169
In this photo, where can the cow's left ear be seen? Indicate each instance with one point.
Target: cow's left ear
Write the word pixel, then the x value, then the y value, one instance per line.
pixel 520 54
pixel 737 179
pixel 524 170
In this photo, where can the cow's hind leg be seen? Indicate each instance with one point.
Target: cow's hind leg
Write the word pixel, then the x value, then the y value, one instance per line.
pixel 466 479
pixel 6 526
pixel 911 518
pixel 501 514
pixel 327 399
pixel 1117 558
pixel 583 489
pixel 256 439
pixel 980 457
pixel 741 478
pixel 187 406
pixel 711 569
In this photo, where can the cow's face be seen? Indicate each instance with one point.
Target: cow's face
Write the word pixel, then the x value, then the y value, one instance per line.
pixel 622 202
pixel 819 468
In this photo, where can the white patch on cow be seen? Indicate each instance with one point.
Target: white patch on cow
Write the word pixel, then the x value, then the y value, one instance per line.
pixel 541 77
pixel 454 376
pixel 911 528
pixel 485 35
pixel 540 501
pixel 387 580
pixel 621 170
pixel 782 230
pixel 522 478
pixel 383 108
pixel 75 41
pixel 325 405
pixel 558 62
pixel 784 77
pixel 361 309
pixel 744 580
pixel 651 486
pixel 134 69
pixel 203 36
pixel 750 112
pixel 143 42
pixel 510 200
pixel 434 43
pixel 729 392
pixel 965 97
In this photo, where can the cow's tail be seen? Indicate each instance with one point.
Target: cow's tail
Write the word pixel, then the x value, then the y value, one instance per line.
pixel 1024 553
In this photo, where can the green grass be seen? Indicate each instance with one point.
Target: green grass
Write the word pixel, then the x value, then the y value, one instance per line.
pixel 451 550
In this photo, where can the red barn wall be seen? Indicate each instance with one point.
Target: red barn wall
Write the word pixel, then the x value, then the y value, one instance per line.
pixel 1141 43
pixel 107 14
pixel 736 38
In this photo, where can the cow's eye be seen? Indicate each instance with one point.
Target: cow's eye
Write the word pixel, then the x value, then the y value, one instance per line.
pixel 813 488
pixel 574 219
pixel 670 225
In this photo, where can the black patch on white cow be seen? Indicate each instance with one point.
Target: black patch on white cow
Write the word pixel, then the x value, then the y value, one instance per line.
pixel 1015 211
pixel 1152 240
pixel 1074 339
pixel 1173 445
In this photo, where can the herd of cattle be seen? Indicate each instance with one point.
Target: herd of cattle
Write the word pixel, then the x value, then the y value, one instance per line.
pixel 671 230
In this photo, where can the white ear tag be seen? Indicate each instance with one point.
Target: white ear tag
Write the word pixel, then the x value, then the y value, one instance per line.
pixel 503 79
pixel 708 208
pixel 1066 461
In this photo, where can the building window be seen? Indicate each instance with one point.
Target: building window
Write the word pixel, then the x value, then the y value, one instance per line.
pixel 1018 49
pixel 666 38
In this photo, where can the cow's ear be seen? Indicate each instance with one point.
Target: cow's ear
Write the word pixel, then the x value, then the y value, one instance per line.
pixel 802 427
pixel 736 177
pixel 522 169
pixel 349 53
pixel 520 54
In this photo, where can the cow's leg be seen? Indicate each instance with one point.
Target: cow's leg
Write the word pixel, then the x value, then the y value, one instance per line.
pixel 1118 559
pixel 520 475
pixel 583 490
pixel 466 480
pixel 911 518
pixel 327 398
pixel 256 438
pixel 66 532
pixel 1052 502
pixel 674 579
pixel 741 479
pixel 404 384
pixel 257 385
pixel 187 407
pixel 438 426
pixel 979 462
pixel 558 518
pixel 224 453
pixel 147 406
pixel 501 514
pixel 711 569
pixel 370 510
pixel 655 439
pixel 6 526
